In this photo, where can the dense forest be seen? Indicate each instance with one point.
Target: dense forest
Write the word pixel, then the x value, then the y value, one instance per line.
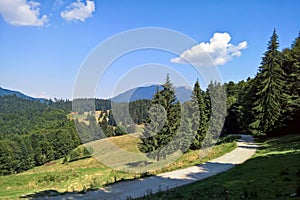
pixel 33 133
pixel 266 105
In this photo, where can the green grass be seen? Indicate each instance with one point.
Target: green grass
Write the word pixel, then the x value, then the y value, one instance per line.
pixel 272 173
pixel 75 176
pixel 191 158
pixel 89 173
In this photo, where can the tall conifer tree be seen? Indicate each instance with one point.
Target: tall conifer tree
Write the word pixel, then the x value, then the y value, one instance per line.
pixel 197 96
pixel 269 86
pixel 163 122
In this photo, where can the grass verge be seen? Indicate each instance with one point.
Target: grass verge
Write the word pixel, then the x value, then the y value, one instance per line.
pixel 88 174
pixel 272 173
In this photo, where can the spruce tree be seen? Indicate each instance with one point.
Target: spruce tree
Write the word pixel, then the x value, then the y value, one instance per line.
pixel 217 94
pixel 247 100
pixel 162 123
pixel 291 66
pixel 189 125
pixel 197 96
pixel 295 76
pixel 107 130
pixel 269 86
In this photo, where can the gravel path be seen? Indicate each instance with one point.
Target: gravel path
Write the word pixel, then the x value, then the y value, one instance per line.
pixel 138 188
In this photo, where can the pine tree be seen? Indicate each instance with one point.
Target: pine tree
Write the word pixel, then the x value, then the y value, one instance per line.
pixel 107 130
pixel 162 123
pixel 111 120
pixel 200 107
pixel 269 86
pixel 189 125
pixel 247 100
pixel 295 76
pixel 291 66
pixel 217 96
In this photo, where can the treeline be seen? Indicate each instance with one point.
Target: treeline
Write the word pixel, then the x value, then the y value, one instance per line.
pixel 90 104
pixel 21 116
pixel 32 134
pixel 119 120
pixel 172 126
pixel 135 111
pixel 267 105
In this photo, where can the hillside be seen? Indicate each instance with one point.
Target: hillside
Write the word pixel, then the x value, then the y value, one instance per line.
pixel 183 94
pixel 87 174
pixel 5 92
pixel 22 115
pixel 32 133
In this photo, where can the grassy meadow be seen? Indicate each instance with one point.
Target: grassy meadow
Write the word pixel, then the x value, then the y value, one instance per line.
pixel 89 173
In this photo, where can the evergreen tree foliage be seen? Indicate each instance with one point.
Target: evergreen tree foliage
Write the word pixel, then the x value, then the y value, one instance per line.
pixel 291 66
pixel 238 103
pixel 200 108
pixel 162 124
pixel 106 129
pixel 139 110
pixel 189 135
pixel 120 130
pixel 218 111
pixel 32 133
pixel 269 96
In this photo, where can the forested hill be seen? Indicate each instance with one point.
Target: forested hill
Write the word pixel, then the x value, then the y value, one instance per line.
pixel 32 133
pixel 4 92
pixel 22 116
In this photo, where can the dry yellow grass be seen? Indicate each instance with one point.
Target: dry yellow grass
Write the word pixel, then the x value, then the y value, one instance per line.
pixel 90 173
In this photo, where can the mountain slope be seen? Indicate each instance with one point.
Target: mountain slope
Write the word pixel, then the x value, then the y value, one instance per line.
pixel 183 94
pixel 5 92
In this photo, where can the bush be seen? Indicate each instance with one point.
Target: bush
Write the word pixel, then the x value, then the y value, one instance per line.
pixel 79 153
pixel 120 130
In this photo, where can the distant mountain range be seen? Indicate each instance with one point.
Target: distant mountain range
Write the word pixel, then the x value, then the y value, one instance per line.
pixel 183 94
pixel 4 92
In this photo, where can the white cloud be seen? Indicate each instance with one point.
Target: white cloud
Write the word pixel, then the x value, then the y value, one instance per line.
pixel 217 52
pixel 22 13
pixel 78 11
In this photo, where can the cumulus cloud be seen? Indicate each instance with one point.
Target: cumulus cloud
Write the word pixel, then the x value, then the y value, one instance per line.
pixel 78 11
pixel 217 52
pixel 22 13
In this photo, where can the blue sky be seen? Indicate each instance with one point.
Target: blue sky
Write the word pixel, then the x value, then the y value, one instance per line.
pixel 42 49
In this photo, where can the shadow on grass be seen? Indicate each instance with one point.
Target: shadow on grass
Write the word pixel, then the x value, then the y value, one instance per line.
pixel 273 174
pixel 49 193
pixel 54 193
pixel 139 163
pixel 125 189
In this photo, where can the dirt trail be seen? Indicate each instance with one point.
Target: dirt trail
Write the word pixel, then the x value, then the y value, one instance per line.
pixel 138 188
